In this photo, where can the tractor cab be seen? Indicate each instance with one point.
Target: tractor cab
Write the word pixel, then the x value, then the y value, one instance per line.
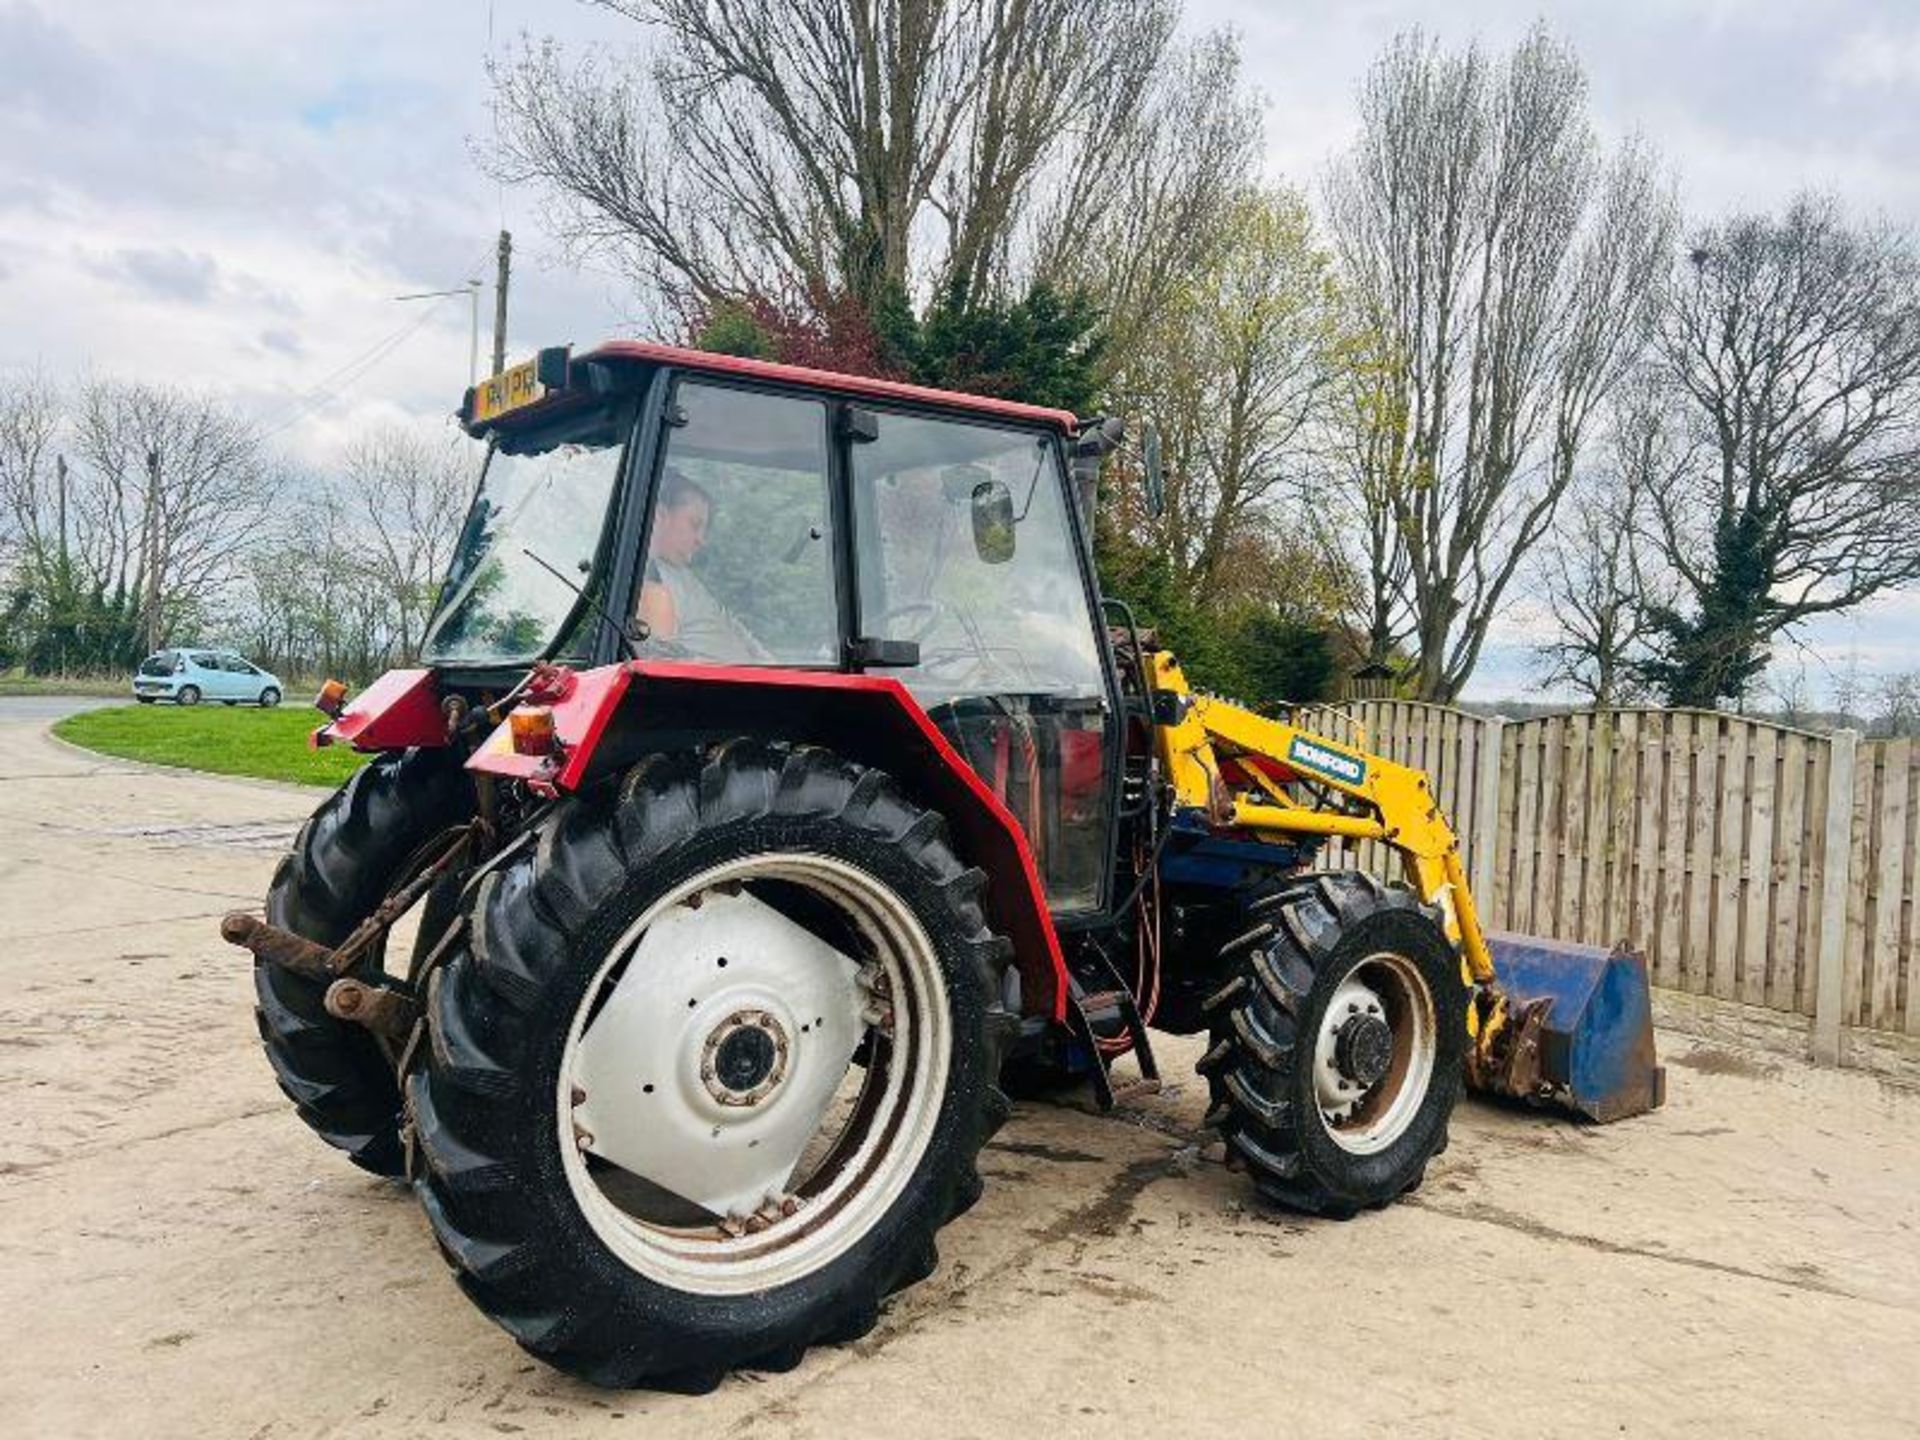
pixel 676 506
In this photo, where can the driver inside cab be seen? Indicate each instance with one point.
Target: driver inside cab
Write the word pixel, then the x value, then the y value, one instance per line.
pixel 675 603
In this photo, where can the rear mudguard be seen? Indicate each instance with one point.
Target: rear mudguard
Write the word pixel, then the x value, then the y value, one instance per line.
pixel 608 718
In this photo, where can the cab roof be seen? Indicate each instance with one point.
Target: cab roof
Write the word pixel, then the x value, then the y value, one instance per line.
pixel 646 352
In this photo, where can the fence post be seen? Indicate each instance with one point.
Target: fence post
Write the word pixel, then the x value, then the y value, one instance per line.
pixel 1829 990
pixel 1486 818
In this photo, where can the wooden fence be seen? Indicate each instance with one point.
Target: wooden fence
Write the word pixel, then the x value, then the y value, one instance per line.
pixel 1751 862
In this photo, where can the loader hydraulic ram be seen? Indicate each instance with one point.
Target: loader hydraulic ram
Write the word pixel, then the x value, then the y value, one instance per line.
pixel 774 797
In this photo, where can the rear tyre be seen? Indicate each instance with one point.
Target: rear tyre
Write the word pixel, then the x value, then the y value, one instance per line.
pixel 1337 1045
pixel 582 1126
pixel 188 695
pixel 344 861
pixel 269 698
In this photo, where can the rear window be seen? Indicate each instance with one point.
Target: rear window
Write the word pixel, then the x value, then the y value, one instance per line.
pixel 160 664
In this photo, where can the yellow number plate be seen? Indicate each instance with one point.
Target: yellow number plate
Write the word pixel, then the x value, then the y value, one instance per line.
pixel 509 390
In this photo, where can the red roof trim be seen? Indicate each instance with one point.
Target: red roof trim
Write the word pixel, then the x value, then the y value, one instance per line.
pixel 646 351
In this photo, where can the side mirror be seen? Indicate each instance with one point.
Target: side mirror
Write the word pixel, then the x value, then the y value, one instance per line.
pixel 1153 477
pixel 993 522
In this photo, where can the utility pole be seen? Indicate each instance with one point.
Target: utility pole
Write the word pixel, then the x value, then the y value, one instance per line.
pixel 153 551
pixel 500 303
pixel 60 497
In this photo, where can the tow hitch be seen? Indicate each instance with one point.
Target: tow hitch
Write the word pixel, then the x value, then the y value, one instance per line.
pixel 385 1005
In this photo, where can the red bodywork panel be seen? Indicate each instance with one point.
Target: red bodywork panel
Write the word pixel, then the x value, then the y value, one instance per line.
pixel 399 709
pixel 648 353
pixel 871 719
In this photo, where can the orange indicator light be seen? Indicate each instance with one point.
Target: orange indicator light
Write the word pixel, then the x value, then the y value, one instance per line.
pixel 532 727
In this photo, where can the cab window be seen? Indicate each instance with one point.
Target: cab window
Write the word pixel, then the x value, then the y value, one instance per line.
pixel 964 546
pixel 739 553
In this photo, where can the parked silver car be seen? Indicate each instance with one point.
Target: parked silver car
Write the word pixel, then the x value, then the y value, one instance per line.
pixel 189 675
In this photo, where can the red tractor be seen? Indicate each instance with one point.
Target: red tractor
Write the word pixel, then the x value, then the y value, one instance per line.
pixel 778 792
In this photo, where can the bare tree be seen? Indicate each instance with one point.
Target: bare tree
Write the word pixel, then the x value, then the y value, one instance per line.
pixel 33 477
pixel 1364 540
pixel 1897 704
pixel 1791 365
pixel 410 493
pixel 1507 278
pixel 812 147
pixel 1138 199
pixel 1601 574
pixel 176 485
pixel 1849 688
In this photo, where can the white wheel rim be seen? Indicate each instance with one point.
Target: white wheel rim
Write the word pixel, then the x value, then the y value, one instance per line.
pixel 1365 1117
pixel 757 1221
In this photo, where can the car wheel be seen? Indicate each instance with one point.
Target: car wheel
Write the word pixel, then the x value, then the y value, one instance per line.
pixel 188 695
pixel 269 698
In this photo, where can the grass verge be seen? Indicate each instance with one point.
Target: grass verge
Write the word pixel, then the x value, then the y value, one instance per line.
pixel 269 744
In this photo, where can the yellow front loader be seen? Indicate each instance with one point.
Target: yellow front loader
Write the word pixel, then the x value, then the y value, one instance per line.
pixel 1548 1020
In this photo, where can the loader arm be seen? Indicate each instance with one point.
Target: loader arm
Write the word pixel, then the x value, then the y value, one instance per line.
pixel 1547 1020
pixel 1388 802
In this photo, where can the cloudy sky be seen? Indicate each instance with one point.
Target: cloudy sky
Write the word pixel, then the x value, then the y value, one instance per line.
pixel 230 195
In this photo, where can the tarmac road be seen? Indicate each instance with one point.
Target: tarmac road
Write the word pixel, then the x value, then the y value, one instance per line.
pixel 179 1257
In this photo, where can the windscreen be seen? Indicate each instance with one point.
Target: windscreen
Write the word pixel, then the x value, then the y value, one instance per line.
pixel 547 491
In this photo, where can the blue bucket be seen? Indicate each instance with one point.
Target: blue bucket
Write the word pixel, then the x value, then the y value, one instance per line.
pixel 1594 1031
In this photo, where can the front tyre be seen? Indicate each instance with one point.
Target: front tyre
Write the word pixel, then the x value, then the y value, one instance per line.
pixel 356 848
pixel 269 698
pixel 1338 1045
pixel 714 1068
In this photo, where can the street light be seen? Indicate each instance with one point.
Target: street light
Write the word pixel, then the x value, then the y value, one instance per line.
pixel 472 291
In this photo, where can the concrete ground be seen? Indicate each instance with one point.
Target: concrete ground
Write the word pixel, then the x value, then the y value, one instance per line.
pixel 179 1257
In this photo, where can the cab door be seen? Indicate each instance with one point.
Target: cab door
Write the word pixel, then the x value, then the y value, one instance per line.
pixel 964 545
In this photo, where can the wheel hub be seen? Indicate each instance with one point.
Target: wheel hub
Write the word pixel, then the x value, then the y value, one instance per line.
pixel 1374 1053
pixel 713 976
pixel 1344 1063
pixel 745 1058
pixel 717 1053
pixel 1363 1048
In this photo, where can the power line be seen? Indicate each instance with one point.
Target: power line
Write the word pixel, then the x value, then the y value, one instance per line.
pixel 327 388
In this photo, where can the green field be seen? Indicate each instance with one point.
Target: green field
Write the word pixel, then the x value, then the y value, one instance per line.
pixel 271 744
